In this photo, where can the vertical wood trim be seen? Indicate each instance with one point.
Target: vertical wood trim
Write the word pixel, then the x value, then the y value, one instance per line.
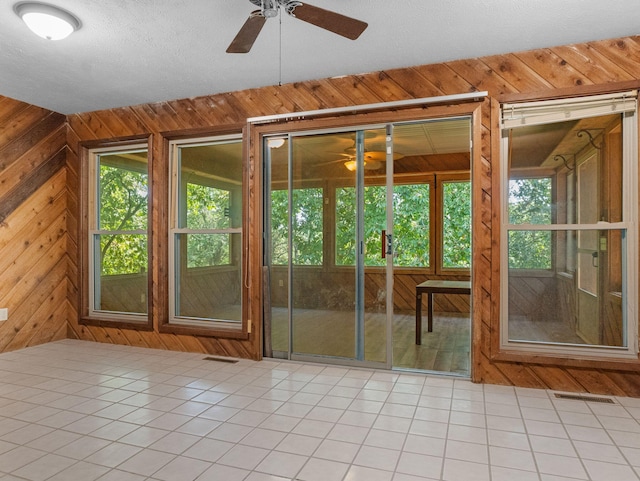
pixel 496 213
pixel 477 242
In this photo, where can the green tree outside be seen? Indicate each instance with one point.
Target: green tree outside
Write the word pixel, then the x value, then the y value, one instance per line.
pixel 123 196
pixel 530 203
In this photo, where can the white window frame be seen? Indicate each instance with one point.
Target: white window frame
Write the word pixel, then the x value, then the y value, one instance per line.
pixel 174 230
pixel 542 112
pixel 93 231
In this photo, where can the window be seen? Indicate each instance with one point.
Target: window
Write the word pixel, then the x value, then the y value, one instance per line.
pixel 118 223
pixel 206 233
pixel 569 222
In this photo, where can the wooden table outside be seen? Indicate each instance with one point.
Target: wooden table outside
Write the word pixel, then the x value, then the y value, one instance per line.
pixel 435 287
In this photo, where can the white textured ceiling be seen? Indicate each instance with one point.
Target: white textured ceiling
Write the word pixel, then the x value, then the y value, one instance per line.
pixel 137 51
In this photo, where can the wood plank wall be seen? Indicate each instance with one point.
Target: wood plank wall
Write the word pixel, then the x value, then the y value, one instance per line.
pixel 564 70
pixel 33 225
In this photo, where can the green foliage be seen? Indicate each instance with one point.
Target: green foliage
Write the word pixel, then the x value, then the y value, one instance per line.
pixel 375 222
pixel 123 197
pixel 411 229
pixel 279 227
pixel 207 208
pixel 529 249
pixel 530 203
pixel 456 225
pixel 346 226
pixel 307 226
pixel 123 254
pixel 412 225
pixel 307 221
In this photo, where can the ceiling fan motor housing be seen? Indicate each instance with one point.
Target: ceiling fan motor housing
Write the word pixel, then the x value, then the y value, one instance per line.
pixel 270 7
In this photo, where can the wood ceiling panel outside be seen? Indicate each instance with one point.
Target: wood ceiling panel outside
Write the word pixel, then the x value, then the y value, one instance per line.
pixel 526 73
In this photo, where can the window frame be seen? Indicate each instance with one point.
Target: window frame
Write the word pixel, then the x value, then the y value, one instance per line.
pixel 210 326
pixel 90 153
pixel 628 224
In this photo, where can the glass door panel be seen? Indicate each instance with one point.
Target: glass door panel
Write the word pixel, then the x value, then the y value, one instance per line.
pixel 323 278
pixel 276 221
pixel 325 214
pixel 432 242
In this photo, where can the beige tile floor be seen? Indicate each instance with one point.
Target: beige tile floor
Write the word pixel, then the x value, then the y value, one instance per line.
pixel 81 411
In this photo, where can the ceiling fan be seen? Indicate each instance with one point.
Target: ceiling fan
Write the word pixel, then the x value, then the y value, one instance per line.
pixel 334 22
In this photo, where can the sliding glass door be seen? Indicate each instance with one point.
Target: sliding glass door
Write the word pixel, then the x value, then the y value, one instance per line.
pixel 351 228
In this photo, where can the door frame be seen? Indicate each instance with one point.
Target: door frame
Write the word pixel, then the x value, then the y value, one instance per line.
pixel 450 106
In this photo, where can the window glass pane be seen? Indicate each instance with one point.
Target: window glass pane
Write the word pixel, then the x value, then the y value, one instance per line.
pixel 122 282
pixel 209 186
pixel 530 201
pixel 456 224
pixel 206 254
pixel 205 250
pixel 207 207
pixel 412 225
pixel 123 192
pixel 530 249
pixel 584 310
pixel 566 172
pixel 211 290
pixel 120 258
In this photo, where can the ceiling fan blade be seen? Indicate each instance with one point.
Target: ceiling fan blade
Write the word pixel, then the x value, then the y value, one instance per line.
pixel 248 34
pixel 334 22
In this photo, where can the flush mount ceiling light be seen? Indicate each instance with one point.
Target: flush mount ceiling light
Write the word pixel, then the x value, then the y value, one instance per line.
pixel 47 21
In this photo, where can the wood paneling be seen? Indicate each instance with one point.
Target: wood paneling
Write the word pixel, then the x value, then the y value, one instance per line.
pixel 33 225
pixel 562 71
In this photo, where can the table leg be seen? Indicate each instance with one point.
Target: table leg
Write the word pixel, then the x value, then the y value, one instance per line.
pixel 430 311
pixel 418 318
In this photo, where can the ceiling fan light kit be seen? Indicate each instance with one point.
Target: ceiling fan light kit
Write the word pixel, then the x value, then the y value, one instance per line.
pixel 347 27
